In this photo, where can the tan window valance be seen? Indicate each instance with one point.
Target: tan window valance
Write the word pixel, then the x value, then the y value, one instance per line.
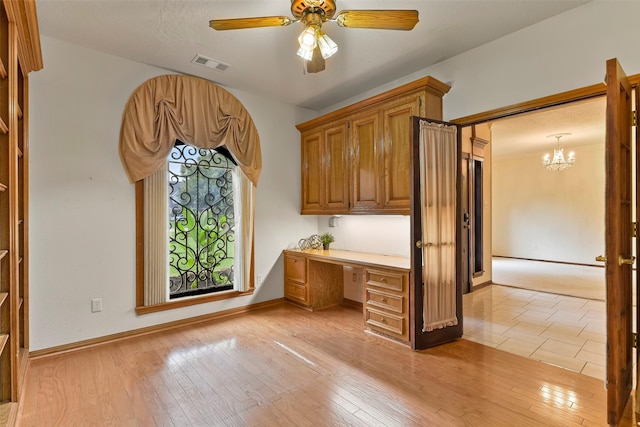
pixel 193 110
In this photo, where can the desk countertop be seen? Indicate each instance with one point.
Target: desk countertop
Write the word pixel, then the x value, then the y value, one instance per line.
pixel 353 257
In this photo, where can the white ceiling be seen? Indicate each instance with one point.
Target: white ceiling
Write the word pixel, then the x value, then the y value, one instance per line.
pixel 169 33
pixel 531 133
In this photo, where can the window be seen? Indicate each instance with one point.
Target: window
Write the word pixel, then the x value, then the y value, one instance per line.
pixel 201 221
pixel 192 230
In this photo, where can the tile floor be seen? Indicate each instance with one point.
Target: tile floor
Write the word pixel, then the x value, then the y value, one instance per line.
pixel 566 331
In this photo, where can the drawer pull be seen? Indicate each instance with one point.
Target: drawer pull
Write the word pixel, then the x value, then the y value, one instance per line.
pixel 383 299
pixel 383 320
pixel 383 280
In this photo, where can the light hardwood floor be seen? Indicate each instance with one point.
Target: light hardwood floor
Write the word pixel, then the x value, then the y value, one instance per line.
pixel 283 366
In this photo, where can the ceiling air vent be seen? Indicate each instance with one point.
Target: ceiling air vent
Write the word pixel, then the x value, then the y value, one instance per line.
pixel 211 63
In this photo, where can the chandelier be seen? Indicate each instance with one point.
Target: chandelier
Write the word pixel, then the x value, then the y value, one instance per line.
pixel 558 162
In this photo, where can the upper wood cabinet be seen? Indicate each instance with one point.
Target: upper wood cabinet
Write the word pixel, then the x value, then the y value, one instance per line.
pixel 366 161
pixel 356 160
pixel 325 169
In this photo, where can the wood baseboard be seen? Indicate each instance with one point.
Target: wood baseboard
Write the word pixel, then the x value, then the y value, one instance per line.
pixel 92 342
pixel 547 260
pixel 481 286
pixel 352 304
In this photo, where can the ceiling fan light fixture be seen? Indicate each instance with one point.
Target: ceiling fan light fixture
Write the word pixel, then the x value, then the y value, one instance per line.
pixel 327 46
pixel 305 54
pixel 308 38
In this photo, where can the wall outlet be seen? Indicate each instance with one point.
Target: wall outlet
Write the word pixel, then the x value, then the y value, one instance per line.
pixel 96 305
pixel 259 279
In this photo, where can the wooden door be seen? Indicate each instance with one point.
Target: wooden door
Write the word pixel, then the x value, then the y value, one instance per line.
pixel 397 149
pixel 336 183
pixel 311 152
pixel 419 338
pixel 618 241
pixel 367 162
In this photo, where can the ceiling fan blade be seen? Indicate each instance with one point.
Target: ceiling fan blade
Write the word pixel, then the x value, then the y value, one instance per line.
pixel 242 23
pixel 317 62
pixel 378 19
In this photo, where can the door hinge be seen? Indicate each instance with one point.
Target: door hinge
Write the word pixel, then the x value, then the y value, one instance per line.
pixel 634 340
pixel 633 118
pixel 634 229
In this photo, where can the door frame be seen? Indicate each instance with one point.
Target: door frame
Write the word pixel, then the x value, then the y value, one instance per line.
pixel 596 90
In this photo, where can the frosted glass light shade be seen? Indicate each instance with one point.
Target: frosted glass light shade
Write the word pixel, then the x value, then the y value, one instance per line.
pixel 327 46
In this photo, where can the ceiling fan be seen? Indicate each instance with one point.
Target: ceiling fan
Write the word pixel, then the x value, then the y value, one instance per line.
pixel 315 45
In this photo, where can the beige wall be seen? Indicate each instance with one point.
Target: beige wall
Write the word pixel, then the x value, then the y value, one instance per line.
pixel 549 215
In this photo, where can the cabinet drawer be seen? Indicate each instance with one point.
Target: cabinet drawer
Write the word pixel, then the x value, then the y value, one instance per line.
pixel 386 323
pixel 295 268
pixel 384 300
pixel 386 279
pixel 295 291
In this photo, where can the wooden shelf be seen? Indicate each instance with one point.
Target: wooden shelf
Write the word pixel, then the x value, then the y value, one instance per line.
pixel 3 341
pixel 23 356
pixel 6 409
pixel 18 28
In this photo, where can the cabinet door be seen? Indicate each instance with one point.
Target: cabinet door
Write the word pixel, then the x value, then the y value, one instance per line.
pixel 312 176
pixel 366 150
pixel 397 152
pixel 336 169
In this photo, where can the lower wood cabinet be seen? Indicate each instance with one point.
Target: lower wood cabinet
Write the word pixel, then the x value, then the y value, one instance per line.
pixel 306 282
pixel 386 302
pixel 295 279
pixel 315 280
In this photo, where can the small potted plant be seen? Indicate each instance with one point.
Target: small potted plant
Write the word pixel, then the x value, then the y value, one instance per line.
pixel 326 239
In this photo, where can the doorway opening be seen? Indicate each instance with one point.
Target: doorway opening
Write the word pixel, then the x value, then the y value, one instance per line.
pixel 545 229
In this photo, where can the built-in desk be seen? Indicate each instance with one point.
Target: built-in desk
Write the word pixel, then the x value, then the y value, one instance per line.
pixel 314 279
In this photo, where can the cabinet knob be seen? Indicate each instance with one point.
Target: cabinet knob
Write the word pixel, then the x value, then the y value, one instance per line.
pixel 383 280
pixel 383 320
pixel 383 299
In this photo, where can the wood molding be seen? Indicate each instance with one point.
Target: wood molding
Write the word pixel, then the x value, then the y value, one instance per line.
pixel 352 304
pixel 546 260
pixel 23 13
pixel 536 104
pixel 482 285
pixel 430 84
pixel 186 302
pixel 139 243
pixel 92 342
pixel 587 92
pixel 477 146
